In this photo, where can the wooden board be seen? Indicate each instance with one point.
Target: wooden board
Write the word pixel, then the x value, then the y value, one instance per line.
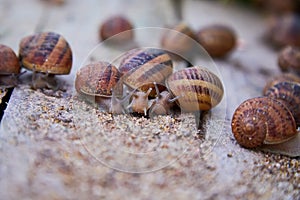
pixel 55 146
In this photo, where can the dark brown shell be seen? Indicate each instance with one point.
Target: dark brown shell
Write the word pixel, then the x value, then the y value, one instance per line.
pixel 196 87
pixel 46 52
pixel 97 79
pixel 115 25
pixel 144 66
pixel 289 94
pixel 9 62
pixel 179 41
pixel 285 77
pixel 284 30
pixel 217 40
pixel 262 120
pixel 289 59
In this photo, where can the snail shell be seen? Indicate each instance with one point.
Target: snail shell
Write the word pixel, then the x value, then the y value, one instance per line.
pixel 143 67
pixel 218 40
pixel 289 94
pixel 9 62
pixel 46 52
pixel 179 41
pixel 115 25
pixel 97 79
pixel 285 77
pixel 196 88
pixel 289 59
pixel 262 120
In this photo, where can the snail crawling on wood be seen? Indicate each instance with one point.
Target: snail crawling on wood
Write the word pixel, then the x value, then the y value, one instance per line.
pixel 46 54
pixel 9 67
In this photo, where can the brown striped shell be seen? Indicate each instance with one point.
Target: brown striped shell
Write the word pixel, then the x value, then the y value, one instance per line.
pixel 97 79
pixel 196 88
pixel 218 40
pixel 115 25
pixel 289 94
pixel 179 41
pixel 9 62
pixel 143 67
pixel 285 77
pixel 46 52
pixel 289 59
pixel 262 120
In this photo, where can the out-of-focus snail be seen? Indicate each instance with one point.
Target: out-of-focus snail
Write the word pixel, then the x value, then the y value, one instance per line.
pixel 262 120
pixel 142 67
pixel 9 67
pixel 96 81
pixel 289 94
pixel 289 59
pixel 115 25
pixel 218 40
pixel 196 87
pixel 46 54
pixel 284 77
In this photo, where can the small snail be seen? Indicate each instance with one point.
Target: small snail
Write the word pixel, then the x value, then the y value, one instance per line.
pixel 289 59
pixel 142 67
pixel 218 40
pixel 284 30
pixel 97 80
pixel 9 66
pixel 179 41
pixel 289 94
pixel 285 77
pixel 262 120
pixel 46 54
pixel 196 87
pixel 115 25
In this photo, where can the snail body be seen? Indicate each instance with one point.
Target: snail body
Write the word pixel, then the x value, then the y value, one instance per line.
pixel 142 67
pixel 9 66
pixel 289 94
pixel 262 120
pixel 218 40
pixel 140 102
pixel 97 80
pixel 47 53
pixel 196 88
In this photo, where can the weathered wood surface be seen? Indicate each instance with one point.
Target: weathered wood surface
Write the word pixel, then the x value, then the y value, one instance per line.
pixel 54 146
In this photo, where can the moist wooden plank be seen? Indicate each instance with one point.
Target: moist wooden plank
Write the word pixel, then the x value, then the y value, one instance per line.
pixel 54 146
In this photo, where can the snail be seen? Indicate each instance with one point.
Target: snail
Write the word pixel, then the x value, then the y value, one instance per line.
pixel 284 30
pixel 289 94
pixel 284 77
pixel 289 59
pixel 9 67
pixel 115 25
pixel 97 81
pixel 196 88
pixel 218 40
pixel 262 120
pixel 140 102
pixel 142 67
pixel 46 54
pixel 179 41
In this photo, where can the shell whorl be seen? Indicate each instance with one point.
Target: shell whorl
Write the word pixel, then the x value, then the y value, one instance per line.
pixel 46 52
pixel 262 120
pixel 196 87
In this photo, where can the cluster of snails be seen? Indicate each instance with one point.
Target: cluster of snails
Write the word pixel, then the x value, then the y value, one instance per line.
pixel 153 87
pixel 46 54
pixel 217 39
pixel 274 118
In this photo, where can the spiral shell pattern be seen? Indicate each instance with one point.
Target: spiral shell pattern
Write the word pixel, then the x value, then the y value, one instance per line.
pixel 285 77
pixel 9 62
pixel 46 52
pixel 196 87
pixel 262 120
pixel 289 94
pixel 97 79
